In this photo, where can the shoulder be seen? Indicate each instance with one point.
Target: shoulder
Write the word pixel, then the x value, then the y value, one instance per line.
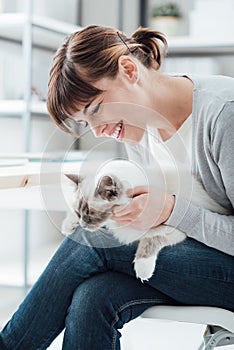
pixel 225 119
pixel 212 92
pixel 213 102
pixel 219 85
pixel 222 139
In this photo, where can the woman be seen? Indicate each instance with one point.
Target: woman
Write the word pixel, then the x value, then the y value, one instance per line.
pixel 87 288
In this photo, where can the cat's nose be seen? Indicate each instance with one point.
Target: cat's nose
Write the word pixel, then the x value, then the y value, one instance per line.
pixel 86 220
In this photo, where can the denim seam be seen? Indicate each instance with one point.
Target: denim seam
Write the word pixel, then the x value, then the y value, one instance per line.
pixel 124 306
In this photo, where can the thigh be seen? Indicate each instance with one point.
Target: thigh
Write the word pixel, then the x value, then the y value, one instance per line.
pixel 116 291
pixel 192 273
pixel 189 272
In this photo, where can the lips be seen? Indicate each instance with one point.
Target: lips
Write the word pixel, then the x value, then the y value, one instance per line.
pixel 117 131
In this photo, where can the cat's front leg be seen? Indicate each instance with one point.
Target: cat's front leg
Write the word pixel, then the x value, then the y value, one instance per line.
pixel 150 246
pixel 70 223
pixel 146 256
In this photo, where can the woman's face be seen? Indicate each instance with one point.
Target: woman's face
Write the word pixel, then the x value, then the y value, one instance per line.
pixel 119 111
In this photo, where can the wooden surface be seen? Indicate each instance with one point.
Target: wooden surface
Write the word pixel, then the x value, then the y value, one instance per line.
pixel 35 174
pixel 39 186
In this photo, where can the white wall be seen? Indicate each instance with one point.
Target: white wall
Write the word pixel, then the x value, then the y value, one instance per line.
pixel 106 12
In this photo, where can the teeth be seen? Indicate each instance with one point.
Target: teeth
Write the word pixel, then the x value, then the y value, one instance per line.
pixel 117 131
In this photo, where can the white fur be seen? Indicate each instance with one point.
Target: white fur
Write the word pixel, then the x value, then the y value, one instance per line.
pixel 131 175
pixel 144 267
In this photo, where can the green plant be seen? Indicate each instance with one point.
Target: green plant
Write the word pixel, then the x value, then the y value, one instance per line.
pixel 167 9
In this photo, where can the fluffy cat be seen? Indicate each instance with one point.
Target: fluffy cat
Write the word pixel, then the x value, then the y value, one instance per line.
pixel 95 196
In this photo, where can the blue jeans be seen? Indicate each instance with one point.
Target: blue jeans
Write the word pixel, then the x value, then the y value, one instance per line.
pixel 92 292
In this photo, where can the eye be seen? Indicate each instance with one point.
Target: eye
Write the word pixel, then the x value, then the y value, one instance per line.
pixel 96 109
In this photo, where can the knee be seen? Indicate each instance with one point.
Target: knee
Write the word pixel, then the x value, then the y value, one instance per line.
pixel 94 295
pixel 98 299
pixel 94 318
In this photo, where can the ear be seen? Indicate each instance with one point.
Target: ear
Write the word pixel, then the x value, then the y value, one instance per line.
pixel 107 188
pixel 74 178
pixel 128 67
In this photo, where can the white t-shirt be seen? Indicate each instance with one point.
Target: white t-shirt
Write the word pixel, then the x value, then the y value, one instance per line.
pixel 172 157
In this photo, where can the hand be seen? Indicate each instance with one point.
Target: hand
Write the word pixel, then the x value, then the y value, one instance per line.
pixel 148 208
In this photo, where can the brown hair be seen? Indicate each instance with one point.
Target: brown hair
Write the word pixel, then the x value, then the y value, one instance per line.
pixel 91 54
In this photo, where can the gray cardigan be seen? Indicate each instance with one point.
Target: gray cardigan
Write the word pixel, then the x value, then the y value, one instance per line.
pixel 212 163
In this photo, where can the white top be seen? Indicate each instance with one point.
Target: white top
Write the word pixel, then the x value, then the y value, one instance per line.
pixel 173 157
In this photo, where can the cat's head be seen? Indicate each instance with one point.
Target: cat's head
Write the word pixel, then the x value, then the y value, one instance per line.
pixel 93 202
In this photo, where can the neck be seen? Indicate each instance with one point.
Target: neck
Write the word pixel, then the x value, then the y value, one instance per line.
pixel 172 98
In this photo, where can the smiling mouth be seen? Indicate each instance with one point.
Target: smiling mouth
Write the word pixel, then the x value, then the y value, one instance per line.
pixel 115 133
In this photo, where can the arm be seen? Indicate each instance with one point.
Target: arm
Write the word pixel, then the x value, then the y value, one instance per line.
pixel 213 229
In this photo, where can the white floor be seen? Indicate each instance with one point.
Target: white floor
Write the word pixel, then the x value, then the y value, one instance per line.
pixel 140 334
pixel 153 335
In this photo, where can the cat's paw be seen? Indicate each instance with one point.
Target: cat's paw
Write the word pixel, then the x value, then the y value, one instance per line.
pixel 144 267
pixel 69 225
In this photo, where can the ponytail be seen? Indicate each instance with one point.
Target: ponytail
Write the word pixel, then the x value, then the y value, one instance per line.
pixel 152 44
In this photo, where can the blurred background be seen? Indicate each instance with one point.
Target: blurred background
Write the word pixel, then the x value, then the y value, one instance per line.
pixel 201 41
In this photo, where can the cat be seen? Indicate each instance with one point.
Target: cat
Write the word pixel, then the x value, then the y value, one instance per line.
pixel 95 196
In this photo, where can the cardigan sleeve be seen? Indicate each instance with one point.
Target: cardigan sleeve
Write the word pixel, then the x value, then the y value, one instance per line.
pixel 213 229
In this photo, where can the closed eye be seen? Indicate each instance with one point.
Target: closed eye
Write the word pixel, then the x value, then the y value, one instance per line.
pixel 96 109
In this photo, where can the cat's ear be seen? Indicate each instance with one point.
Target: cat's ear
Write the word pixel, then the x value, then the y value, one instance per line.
pixel 74 178
pixel 107 188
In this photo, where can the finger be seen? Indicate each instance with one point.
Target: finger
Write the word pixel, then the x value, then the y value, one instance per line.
pixel 121 210
pixel 121 220
pixel 136 191
pixel 122 213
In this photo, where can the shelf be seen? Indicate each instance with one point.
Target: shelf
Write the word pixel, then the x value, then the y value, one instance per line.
pixel 17 107
pixel 47 32
pixel 190 45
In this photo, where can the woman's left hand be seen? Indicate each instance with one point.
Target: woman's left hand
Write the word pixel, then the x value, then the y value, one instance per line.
pixel 149 207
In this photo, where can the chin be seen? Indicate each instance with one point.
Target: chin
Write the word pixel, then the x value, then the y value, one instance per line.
pixel 133 141
pixel 136 136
